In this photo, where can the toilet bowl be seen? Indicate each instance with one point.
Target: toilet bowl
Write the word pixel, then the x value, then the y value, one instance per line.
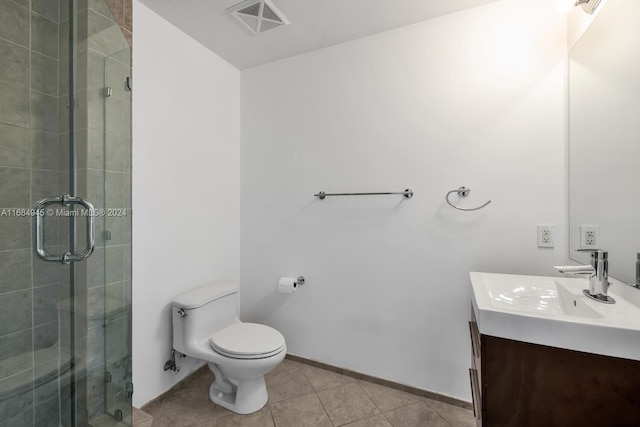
pixel 206 327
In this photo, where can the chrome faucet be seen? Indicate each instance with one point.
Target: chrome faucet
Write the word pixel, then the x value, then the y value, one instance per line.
pixel 598 272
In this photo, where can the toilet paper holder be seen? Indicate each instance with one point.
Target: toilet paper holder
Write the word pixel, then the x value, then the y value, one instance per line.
pixel 289 284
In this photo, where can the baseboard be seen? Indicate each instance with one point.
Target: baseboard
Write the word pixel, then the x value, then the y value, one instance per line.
pixel 375 380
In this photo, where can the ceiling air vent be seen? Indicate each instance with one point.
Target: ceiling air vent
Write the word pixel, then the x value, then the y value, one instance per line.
pixel 258 15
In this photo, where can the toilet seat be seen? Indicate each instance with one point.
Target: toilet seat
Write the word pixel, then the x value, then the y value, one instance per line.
pixel 247 341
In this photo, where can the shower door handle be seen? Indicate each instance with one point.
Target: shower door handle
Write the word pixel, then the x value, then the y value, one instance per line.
pixel 64 200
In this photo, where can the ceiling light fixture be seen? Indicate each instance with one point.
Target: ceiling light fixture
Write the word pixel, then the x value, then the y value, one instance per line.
pixel 588 6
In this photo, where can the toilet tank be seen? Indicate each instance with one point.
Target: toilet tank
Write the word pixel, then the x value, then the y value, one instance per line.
pixel 200 312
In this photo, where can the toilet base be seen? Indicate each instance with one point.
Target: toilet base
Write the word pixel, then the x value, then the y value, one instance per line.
pixel 248 395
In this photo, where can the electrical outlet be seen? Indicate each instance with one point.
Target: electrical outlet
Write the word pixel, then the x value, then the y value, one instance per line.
pixel 545 236
pixel 589 237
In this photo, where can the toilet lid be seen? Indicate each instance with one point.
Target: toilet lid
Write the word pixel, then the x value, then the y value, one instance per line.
pixel 247 341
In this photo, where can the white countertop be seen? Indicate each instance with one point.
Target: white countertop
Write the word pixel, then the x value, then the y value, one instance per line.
pixel 553 311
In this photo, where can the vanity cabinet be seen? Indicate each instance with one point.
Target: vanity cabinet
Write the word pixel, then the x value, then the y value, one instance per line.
pixel 521 384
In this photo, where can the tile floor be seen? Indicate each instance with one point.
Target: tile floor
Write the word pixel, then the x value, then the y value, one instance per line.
pixel 305 396
pixel 139 419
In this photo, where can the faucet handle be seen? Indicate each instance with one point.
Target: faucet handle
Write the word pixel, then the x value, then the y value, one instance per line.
pixel 575 269
pixel 572 268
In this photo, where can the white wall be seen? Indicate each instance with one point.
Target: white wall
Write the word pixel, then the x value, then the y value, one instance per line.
pixel 578 21
pixel 185 185
pixel 476 99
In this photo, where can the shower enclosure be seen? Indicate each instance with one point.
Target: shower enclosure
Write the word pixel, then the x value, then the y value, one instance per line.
pixel 65 213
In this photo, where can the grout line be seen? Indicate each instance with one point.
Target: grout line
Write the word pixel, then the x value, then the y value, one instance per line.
pixel 15 374
pixel 18 167
pixel 19 5
pixel 29 289
pixel 273 420
pixel 112 18
pixel 370 398
pixel 33 12
pixel 46 94
pixel 17 332
pixel 14 250
pixel 17 44
pixel 42 54
pixel 325 409
pixel 291 398
pixel 310 383
pixel 45 285
pixel 445 420
pixel 44 170
pixel 387 419
pixel 438 412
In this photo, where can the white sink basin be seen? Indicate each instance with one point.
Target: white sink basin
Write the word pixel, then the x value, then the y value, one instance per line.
pixel 575 305
pixel 532 295
pixel 553 311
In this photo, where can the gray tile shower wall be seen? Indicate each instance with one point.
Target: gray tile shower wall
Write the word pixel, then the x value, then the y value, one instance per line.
pixel 29 290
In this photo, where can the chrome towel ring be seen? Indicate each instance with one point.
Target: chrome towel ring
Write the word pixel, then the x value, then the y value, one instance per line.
pixel 463 192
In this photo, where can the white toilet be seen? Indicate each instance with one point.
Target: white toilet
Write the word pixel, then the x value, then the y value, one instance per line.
pixel 206 327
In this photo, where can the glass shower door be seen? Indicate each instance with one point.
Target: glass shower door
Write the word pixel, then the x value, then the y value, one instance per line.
pixel 36 345
pixel 64 321
pixel 107 178
pixel 117 248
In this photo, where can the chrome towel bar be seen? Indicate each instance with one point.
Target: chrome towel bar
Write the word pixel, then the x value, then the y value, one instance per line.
pixel 463 192
pixel 408 193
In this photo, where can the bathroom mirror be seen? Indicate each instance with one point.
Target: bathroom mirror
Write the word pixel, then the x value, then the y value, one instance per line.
pixel 604 136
